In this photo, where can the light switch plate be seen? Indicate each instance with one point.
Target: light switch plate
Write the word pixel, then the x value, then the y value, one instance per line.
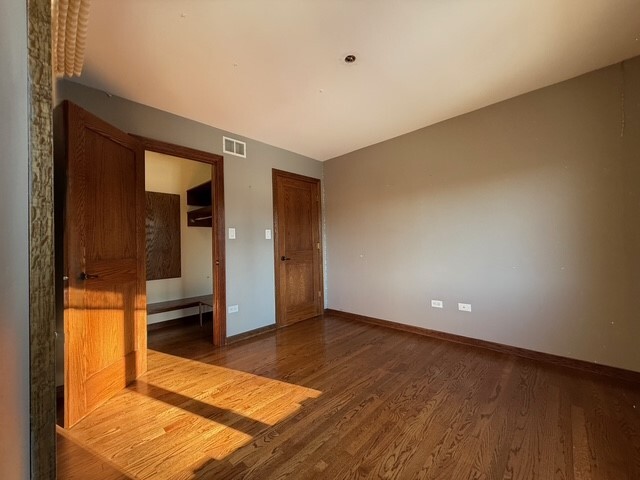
pixel 232 233
pixel 437 304
pixel 232 309
pixel 267 234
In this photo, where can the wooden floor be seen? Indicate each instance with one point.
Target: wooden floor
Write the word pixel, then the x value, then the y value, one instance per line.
pixel 333 399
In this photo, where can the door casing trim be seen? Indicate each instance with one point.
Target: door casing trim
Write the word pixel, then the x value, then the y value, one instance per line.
pixel 219 256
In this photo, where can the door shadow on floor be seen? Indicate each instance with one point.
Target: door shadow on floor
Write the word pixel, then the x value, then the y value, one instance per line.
pixel 202 409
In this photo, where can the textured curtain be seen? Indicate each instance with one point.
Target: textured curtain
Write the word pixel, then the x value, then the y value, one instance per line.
pixel 70 21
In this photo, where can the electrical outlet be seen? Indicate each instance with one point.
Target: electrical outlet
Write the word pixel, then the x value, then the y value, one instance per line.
pixel 464 307
pixel 437 304
pixel 267 234
pixel 232 309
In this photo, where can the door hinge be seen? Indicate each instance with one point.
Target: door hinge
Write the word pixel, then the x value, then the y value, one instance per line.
pixel 319 293
pixel 318 245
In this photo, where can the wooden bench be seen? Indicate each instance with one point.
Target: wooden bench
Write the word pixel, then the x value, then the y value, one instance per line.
pixel 181 303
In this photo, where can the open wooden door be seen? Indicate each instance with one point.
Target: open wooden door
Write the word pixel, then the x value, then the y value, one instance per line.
pixel 298 249
pixel 104 250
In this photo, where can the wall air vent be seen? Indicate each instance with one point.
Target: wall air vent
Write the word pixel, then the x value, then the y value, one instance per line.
pixel 234 147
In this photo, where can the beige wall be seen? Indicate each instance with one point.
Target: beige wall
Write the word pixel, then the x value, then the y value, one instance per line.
pixel 528 209
pixel 248 198
pixel 14 244
pixel 167 174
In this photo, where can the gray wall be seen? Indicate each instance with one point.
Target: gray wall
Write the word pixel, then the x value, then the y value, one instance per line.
pixel 528 209
pixel 248 199
pixel 14 253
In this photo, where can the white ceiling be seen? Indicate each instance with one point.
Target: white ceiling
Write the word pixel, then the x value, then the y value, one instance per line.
pixel 272 70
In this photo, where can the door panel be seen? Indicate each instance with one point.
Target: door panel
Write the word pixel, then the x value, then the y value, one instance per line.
pixel 298 253
pixel 111 194
pixel 105 299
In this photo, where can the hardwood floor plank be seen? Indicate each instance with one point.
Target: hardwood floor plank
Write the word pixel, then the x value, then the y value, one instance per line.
pixel 448 453
pixel 603 431
pixel 330 399
pixel 310 459
pixel 297 436
pixel 74 460
pixel 581 457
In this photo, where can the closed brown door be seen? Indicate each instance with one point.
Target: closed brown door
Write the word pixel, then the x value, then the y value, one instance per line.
pixel 104 256
pixel 298 249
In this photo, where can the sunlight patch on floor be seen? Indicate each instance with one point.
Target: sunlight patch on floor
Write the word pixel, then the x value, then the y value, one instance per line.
pixel 183 412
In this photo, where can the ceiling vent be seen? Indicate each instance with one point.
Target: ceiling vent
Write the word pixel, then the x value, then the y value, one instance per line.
pixel 234 147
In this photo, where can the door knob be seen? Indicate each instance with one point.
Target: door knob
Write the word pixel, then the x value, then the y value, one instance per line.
pixel 87 276
pixel 283 258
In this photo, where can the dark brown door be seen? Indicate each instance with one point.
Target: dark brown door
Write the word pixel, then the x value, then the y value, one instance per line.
pixel 105 297
pixel 298 249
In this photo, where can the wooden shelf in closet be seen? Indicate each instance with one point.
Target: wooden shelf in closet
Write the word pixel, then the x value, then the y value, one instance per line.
pixel 200 217
pixel 200 196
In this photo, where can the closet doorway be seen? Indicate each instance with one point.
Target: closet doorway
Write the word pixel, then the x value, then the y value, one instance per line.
pixel 217 223
pixel 179 239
